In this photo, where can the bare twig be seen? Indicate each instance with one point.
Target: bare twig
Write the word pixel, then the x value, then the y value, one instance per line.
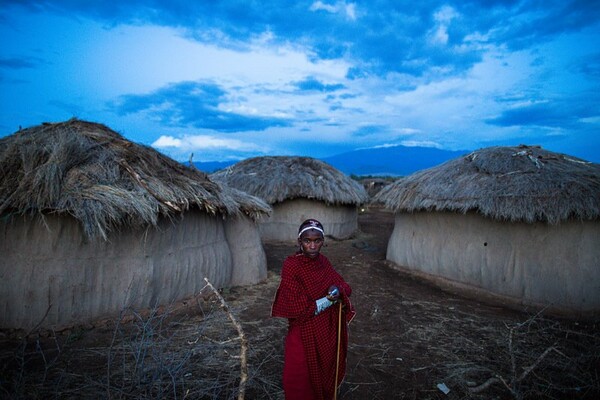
pixel 35 328
pixel 513 363
pixel 243 340
pixel 535 364
pixel 515 382
pixel 109 356
pixel 485 385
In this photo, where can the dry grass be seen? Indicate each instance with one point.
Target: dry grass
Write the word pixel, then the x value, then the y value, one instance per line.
pixel 193 351
pixel 536 358
pixel 104 181
pixel 521 183
pixel 279 178
pixel 174 352
pixel 478 356
pixel 406 339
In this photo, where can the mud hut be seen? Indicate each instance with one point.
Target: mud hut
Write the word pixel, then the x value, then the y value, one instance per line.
pixel 91 223
pixel 298 188
pixel 520 223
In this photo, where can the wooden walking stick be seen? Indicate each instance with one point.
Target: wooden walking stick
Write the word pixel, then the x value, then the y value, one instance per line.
pixel 339 342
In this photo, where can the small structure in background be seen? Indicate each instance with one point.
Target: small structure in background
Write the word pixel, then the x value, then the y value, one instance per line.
pixel 91 223
pixel 519 222
pixel 298 188
pixel 374 184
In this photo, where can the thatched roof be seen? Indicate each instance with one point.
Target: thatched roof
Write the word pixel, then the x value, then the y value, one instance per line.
pixel 103 180
pixel 279 178
pixel 522 183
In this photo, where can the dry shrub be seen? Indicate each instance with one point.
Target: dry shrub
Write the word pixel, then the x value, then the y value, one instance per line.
pixel 482 358
pixel 166 352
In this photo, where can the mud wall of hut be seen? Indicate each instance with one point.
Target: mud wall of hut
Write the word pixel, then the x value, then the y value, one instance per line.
pixel 48 267
pixel 248 256
pixel 554 265
pixel 339 221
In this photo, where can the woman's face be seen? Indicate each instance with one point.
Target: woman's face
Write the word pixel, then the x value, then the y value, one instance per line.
pixel 311 242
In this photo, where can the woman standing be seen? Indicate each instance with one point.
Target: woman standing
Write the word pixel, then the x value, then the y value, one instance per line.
pixel 315 300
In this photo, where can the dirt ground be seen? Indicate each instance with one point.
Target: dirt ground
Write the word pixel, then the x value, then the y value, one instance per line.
pixel 409 340
pixel 409 336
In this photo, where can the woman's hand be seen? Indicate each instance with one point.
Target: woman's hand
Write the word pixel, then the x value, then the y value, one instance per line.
pixel 333 293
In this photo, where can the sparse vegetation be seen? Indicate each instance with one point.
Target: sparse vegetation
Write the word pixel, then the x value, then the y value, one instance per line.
pixel 189 350
pixel 407 338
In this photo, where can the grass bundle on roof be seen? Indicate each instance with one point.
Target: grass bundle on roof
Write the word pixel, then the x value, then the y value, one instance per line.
pixel 279 178
pixel 105 181
pixel 521 183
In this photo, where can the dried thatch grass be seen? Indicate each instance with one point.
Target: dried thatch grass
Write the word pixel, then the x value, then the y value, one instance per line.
pixel 523 183
pixel 279 178
pixel 250 205
pixel 105 181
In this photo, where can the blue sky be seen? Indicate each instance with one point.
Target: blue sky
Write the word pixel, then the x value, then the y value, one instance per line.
pixel 234 79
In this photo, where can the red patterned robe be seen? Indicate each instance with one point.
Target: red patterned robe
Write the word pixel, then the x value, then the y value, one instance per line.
pixel 311 343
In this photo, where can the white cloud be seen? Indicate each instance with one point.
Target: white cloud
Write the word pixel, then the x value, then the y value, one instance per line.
pixel 92 63
pixel 203 142
pixel 443 18
pixel 445 15
pixel 420 143
pixel 407 143
pixel 591 120
pixel 351 11
pixel 167 141
pixel 348 10
pixel 319 5
pixel 142 68
pixel 440 36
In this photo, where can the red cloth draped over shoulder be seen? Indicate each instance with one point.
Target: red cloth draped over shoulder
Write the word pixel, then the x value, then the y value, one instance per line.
pixel 303 281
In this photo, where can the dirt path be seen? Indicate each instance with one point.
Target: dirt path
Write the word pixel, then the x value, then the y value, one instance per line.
pixel 410 336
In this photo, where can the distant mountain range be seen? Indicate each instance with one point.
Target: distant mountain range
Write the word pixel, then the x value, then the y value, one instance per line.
pixel 392 161
pixel 381 161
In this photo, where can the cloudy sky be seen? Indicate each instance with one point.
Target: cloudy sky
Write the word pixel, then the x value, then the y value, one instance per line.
pixel 232 79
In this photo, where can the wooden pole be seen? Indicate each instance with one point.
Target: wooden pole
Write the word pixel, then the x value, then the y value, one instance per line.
pixel 339 343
